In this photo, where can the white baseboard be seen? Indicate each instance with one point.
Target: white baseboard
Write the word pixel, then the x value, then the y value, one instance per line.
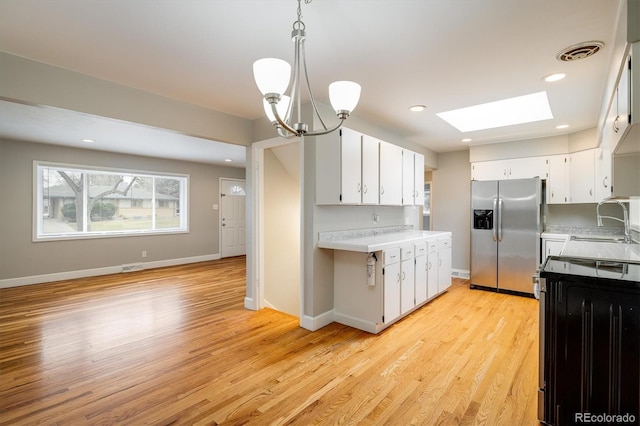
pixel 82 273
pixel 316 323
pixel 250 304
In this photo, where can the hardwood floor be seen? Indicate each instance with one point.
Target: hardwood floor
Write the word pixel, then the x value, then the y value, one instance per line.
pixel 176 346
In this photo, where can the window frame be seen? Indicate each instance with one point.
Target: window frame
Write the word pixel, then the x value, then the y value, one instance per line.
pixel 38 235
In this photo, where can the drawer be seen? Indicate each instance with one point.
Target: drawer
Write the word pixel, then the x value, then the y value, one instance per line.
pixel 406 252
pixel 391 256
pixel 444 243
pixel 420 249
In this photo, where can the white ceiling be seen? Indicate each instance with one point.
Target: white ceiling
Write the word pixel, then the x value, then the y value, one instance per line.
pixel 445 54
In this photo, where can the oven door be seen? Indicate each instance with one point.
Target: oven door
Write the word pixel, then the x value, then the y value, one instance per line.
pixel 542 286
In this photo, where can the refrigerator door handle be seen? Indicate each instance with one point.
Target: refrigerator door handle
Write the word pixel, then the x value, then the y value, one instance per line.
pixel 493 228
pixel 499 219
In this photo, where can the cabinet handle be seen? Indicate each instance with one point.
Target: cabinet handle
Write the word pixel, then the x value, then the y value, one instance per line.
pixel 439 262
pixel 398 278
pixel 358 187
pixel 591 192
pixel 552 194
pixel 365 188
pixel 604 181
pixel 429 266
pixel 616 128
pixel 381 190
pixel 404 275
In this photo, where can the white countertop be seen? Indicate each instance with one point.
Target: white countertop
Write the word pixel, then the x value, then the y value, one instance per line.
pixel 602 251
pixel 381 241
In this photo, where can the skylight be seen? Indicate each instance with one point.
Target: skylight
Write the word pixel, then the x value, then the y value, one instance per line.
pixel 518 110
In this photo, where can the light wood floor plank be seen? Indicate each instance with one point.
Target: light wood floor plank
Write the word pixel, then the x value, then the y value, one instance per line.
pixel 176 346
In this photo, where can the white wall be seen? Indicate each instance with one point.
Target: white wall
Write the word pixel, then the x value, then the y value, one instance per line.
pixel 282 231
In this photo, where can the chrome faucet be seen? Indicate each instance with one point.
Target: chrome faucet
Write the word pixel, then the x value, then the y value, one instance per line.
pixel 625 220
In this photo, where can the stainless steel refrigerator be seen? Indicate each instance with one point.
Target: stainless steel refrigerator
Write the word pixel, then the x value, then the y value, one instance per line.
pixel 505 234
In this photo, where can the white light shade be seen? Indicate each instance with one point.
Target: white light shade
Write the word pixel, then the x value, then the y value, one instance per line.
pixel 281 107
pixel 344 95
pixel 271 75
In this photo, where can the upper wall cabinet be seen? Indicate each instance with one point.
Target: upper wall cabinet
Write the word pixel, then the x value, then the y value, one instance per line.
pixel 516 168
pixel 353 168
pixel 412 178
pixel 390 174
pixel 339 167
pixel 558 179
pixel 582 177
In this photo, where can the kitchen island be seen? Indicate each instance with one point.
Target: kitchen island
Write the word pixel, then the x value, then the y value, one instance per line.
pixel 380 277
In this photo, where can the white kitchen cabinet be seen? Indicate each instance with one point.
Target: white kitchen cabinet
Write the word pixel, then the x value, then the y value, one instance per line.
pixel 603 170
pixel 418 168
pixel 390 174
pixel 558 179
pixel 582 177
pixel 420 275
pixel 432 269
pixel 408 177
pixel 412 178
pixel 444 264
pixel 515 168
pixel 391 285
pixel 347 167
pixel 407 280
pixel 404 278
pixel 370 170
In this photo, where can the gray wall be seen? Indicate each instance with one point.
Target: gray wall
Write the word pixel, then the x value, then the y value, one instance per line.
pixel 451 204
pixel 21 257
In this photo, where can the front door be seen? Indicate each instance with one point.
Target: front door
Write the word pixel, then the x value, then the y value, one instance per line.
pixel 232 217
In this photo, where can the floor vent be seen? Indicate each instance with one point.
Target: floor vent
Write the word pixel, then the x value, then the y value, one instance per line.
pixel 460 274
pixel 132 267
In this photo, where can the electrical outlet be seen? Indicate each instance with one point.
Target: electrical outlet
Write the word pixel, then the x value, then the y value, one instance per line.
pixel 376 218
pixel 144 253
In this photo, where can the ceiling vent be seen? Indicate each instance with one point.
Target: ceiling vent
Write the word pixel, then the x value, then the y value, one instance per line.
pixel 579 51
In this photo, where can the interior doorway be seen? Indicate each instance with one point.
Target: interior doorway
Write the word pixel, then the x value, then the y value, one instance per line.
pixel 278 210
pixel 232 217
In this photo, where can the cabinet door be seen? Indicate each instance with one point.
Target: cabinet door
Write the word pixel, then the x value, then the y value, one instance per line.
pixel 581 177
pixel 558 180
pixel 390 174
pixel 407 286
pixel 524 168
pixel 603 188
pixel 350 166
pixel 391 308
pixel 418 186
pixel 489 170
pixel 421 278
pixel 408 177
pixel 432 274
pixel 444 266
pixel 370 169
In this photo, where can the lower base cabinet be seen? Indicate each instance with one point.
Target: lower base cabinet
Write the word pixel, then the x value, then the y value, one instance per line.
pixel 404 279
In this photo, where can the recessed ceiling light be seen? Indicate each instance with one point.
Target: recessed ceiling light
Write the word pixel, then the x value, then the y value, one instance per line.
pixel 554 77
pixel 562 126
pixel 88 140
pixel 507 112
pixel 417 108
pixel 228 160
pixel 466 140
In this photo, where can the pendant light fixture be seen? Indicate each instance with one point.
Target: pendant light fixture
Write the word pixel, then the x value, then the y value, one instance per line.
pixel 284 111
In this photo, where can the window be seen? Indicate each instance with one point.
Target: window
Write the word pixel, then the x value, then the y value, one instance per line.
pixel 81 202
